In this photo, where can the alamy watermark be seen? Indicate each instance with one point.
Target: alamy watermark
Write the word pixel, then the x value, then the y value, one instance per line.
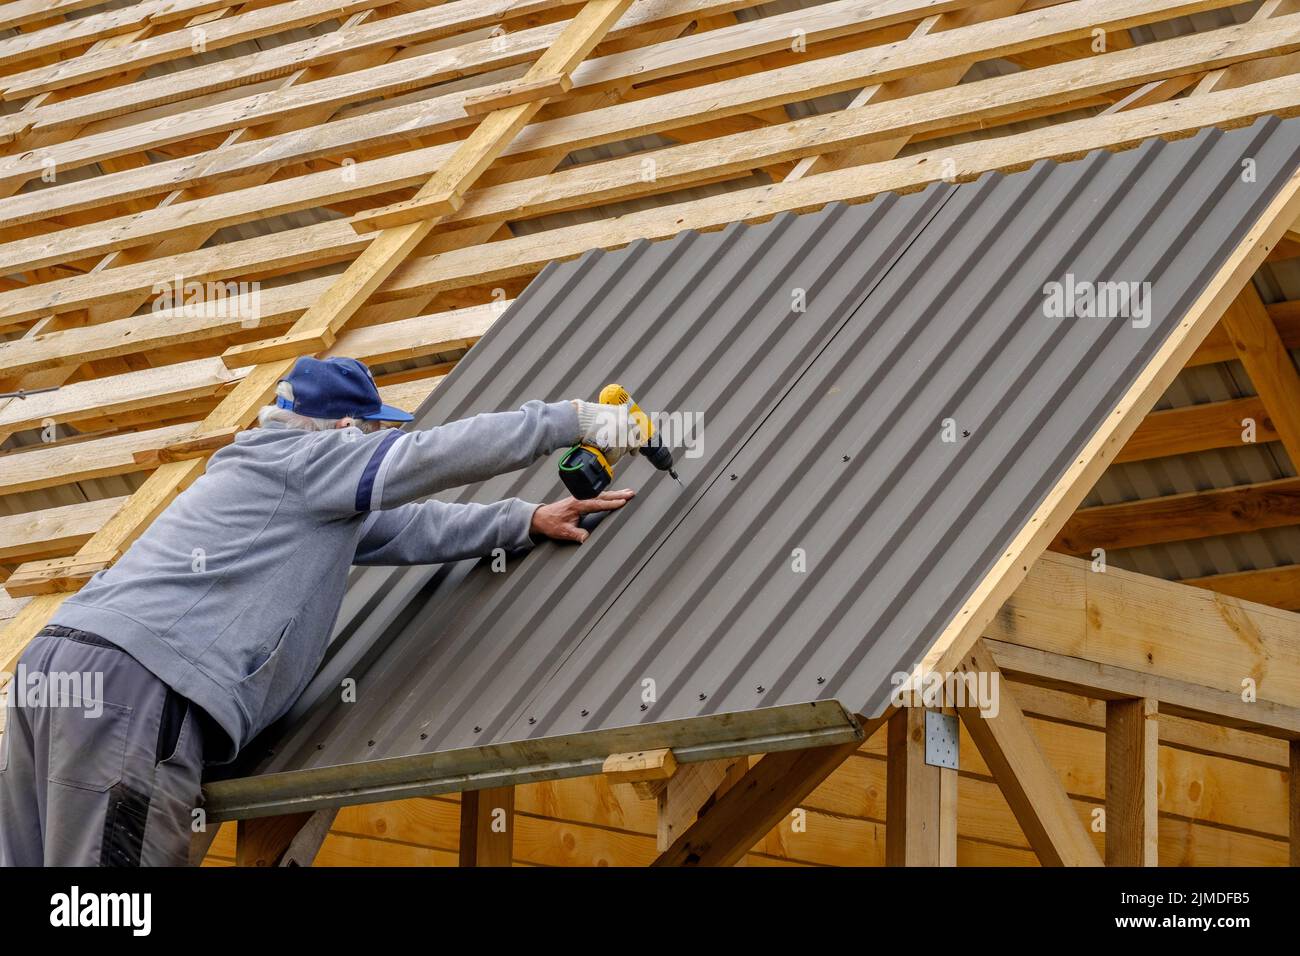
pixel 1088 299
pixel 684 430
pixel 979 690
pixel 82 690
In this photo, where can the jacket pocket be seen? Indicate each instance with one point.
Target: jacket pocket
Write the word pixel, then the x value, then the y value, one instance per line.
pixel 88 752
pixel 256 689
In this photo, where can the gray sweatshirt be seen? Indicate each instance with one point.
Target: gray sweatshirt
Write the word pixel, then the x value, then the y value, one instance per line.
pixel 230 596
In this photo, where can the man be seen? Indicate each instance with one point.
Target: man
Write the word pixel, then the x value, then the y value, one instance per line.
pixel 211 625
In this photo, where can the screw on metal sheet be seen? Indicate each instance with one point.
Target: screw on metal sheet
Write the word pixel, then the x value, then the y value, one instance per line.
pixel 320 746
pixel 532 720
pixel 478 730
pixel 645 706
pixel 584 713
pixel 845 458
pixel 703 696
pixel 761 688
pixel 965 433
pixel 424 736
pixel 370 743
pixel 821 680
pixel 733 477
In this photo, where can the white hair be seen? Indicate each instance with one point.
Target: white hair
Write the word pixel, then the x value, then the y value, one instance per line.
pixel 287 418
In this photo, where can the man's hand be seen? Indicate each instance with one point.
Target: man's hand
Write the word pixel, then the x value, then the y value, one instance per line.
pixel 611 428
pixel 559 520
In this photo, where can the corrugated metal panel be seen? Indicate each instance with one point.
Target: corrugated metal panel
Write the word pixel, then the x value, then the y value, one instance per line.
pixel 822 433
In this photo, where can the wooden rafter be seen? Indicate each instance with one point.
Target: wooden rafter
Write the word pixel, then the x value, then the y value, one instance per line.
pixel 1193 428
pixel 1182 517
pixel 1279 587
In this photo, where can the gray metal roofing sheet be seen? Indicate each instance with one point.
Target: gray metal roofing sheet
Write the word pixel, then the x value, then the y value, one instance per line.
pixel 822 432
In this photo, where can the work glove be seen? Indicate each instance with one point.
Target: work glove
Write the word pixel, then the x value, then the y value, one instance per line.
pixel 611 428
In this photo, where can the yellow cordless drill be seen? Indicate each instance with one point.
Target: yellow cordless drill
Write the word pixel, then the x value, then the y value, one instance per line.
pixel 584 470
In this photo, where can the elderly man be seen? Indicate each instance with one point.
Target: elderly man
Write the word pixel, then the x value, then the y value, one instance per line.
pixel 211 625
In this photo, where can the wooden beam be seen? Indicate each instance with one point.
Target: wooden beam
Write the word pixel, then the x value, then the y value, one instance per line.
pixel 1196 428
pixel 172 198
pixel 525 255
pixel 444 192
pixel 18 13
pixel 82 31
pixel 648 771
pixel 1028 782
pixel 1064 707
pixel 767 792
pixel 1104 681
pixel 487 827
pixel 1268 363
pixel 1217 347
pixel 243 27
pixel 1278 587
pixel 686 791
pixel 384 37
pixel 618 179
pixel 514 107
pixel 800 80
pixel 881 92
pixel 1181 517
pixel 182 449
pixel 1132 791
pixel 54 531
pixel 56 574
pixel 517 93
pixel 1252 71
pixel 1163 630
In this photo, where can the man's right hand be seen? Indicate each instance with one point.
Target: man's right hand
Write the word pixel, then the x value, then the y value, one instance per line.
pixel 611 428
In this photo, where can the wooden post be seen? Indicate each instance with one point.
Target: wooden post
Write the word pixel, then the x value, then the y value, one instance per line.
pixel 487 827
pixel 920 804
pixel 1294 797
pixel 1132 768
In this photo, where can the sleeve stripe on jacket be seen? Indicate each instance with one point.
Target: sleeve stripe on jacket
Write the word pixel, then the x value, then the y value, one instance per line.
pixel 366 487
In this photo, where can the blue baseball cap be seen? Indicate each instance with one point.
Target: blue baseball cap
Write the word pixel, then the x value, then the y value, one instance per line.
pixel 337 388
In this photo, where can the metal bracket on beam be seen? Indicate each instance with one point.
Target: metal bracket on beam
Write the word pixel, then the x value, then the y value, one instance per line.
pixel 942 747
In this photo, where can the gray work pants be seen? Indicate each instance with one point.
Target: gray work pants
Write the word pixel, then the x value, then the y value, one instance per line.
pixel 100 762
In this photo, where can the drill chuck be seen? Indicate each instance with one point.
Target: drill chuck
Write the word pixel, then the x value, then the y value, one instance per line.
pixel 659 455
